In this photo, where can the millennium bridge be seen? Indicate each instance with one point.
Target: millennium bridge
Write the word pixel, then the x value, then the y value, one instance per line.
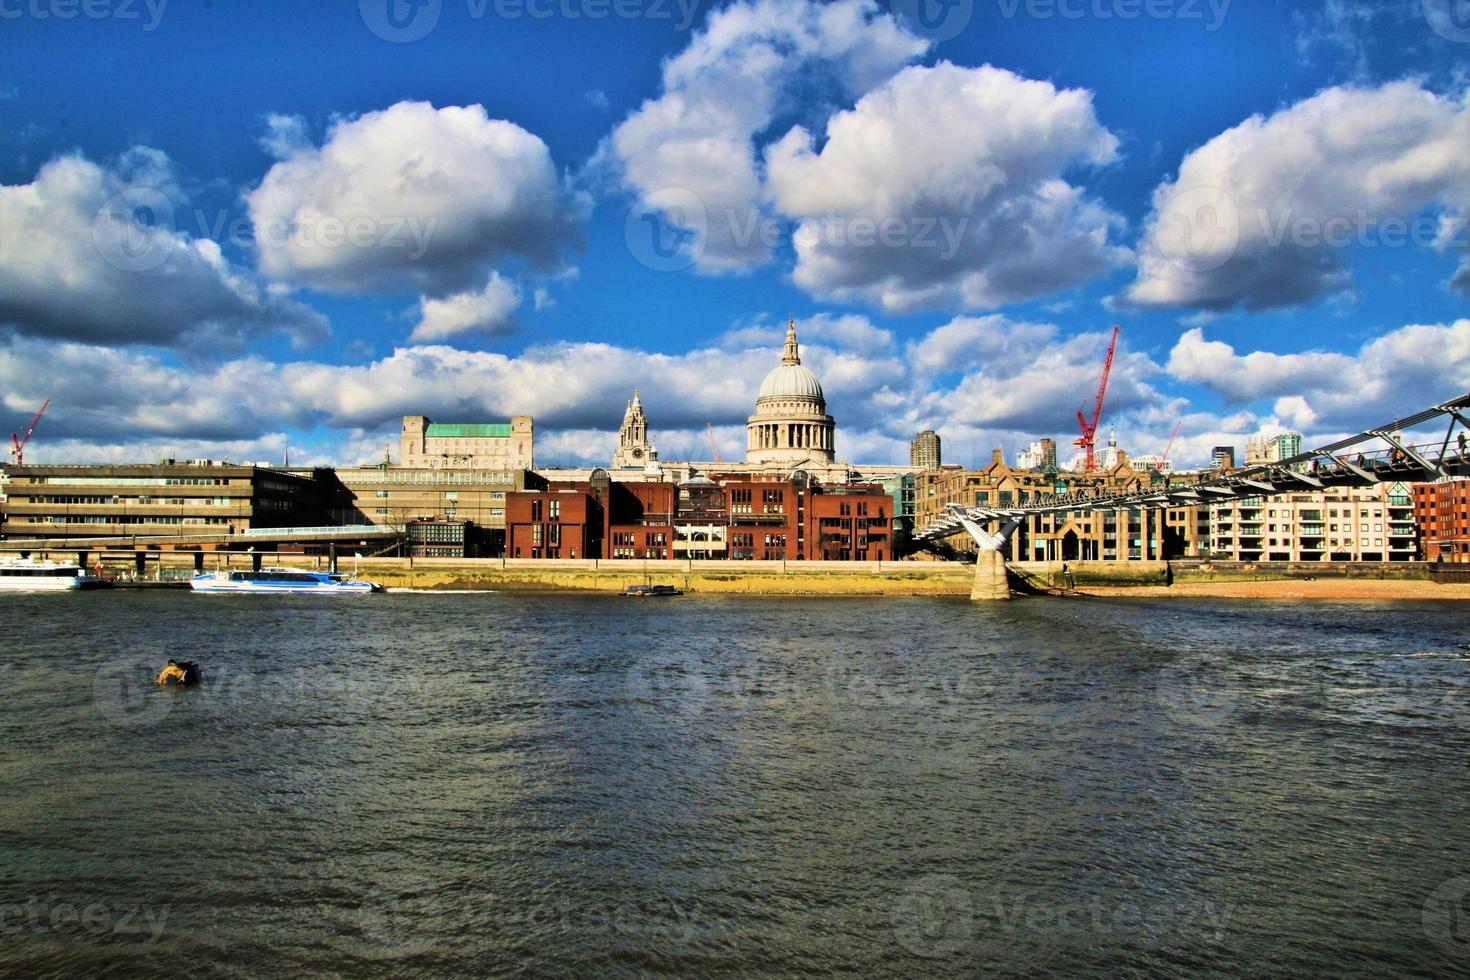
pixel 1379 455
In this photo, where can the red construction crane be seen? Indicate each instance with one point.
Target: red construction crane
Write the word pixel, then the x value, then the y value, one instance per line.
pixel 1087 442
pixel 18 443
pixel 1169 448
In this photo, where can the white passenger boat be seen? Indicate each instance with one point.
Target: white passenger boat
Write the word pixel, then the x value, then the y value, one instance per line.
pixel 45 576
pixel 282 581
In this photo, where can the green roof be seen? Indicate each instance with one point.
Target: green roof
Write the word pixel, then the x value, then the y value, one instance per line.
pixel 468 430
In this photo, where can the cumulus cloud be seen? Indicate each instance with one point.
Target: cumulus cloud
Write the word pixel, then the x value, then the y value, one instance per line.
pixel 92 252
pixel 410 196
pixel 1403 370
pixel 488 311
pixel 737 74
pixel 1026 377
pixel 1028 382
pixel 1266 214
pixel 945 187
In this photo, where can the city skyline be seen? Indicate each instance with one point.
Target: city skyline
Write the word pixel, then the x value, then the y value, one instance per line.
pixel 210 311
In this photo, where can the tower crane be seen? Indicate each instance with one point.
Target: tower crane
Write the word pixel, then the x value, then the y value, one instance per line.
pixel 18 443
pixel 1087 442
pixel 1170 447
pixel 714 447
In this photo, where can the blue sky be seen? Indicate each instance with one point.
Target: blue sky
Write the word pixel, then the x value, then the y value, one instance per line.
pixel 507 162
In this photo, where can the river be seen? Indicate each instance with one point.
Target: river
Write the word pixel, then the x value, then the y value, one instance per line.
pixel 496 784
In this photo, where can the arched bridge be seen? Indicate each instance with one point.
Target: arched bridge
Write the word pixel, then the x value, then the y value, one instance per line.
pixel 1383 454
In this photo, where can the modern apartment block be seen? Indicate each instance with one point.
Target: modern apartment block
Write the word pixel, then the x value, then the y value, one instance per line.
pixel 1442 513
pixel 925 451
pixel 71 501
pixel 467 446
pixel 1343 524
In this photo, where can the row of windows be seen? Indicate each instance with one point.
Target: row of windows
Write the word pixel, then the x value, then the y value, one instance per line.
pixel 129 519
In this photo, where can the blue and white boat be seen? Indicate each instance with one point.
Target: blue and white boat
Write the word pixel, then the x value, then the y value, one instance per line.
pixel 282 581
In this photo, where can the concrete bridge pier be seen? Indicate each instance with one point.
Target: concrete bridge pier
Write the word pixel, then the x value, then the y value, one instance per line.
pixel 198 562
pixel 990 576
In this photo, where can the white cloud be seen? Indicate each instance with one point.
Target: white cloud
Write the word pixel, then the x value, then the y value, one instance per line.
pixel 93 253
pixel 1265 214
pixel 945 188
pixel 1403 370
pixel 486 311
pixel 411 196
pixel 729 85
pixel 980 381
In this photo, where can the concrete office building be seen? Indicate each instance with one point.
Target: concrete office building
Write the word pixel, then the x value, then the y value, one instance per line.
pixel 71 501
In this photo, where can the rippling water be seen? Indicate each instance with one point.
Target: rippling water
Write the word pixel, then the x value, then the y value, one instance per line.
pixel 432 785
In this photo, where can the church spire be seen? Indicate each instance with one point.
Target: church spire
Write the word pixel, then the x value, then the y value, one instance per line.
pixel 792 354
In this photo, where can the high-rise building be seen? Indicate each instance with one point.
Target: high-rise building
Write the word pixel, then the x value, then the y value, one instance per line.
pixel 1039 455
pixel 1263 449
pixel 1222 458
pixel 1286 445
pixel 924 451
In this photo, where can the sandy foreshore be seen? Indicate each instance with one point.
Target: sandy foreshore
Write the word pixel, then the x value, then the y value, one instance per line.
pixel 1332 590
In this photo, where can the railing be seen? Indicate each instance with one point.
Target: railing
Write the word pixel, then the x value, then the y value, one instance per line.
pixel 347 529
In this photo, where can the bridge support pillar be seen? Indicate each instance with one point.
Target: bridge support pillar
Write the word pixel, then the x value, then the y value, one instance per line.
pixel 198 561
pixel 255 561
pixel 332 558
pixel 82 558
pixel 990 577
pixel 140 562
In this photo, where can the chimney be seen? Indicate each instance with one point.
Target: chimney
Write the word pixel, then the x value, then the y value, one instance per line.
pixel 995 457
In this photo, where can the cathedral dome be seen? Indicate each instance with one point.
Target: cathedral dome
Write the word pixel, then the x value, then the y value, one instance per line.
pixel 791 381
pixel 790 426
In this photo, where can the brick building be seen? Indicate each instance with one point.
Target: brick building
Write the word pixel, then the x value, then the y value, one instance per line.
pixel 1442 515
pixel 722 516
pixel 1098 536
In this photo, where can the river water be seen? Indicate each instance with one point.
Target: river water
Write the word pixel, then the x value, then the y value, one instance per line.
pixel 489 784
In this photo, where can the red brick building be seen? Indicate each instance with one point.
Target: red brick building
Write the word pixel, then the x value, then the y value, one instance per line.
pixel 724 516
pixel 1442 511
